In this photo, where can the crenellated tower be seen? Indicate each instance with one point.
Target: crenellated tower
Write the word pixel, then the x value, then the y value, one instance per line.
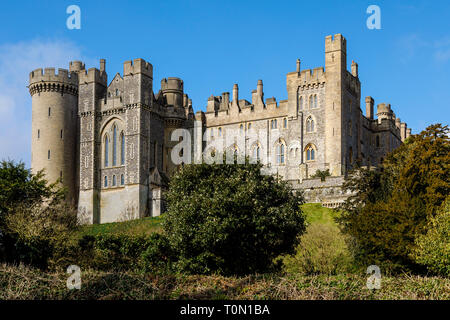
pixel 54 146
pixel 335 70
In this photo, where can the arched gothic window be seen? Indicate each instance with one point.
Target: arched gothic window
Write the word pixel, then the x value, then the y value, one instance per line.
pixel 106 181
pixel 122 149
pixel 310 153
pixel 315 101
pixel 310 101
pixel 300 103
pixel 285 123
pixel 106 151
pixel 114 180
pixel 114 147
pixel 309 124
pixel 257 153
pixel 122 180
pixel 280 151
pixel 241 129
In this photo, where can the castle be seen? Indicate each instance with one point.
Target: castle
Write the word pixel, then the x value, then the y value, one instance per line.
pixel 111 144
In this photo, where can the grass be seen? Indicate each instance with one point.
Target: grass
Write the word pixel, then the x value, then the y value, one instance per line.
pixel 28 283
pixel 315 213
pixel 144 226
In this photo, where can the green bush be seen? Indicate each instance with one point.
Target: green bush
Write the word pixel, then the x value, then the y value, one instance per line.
pixel 323 249
pixel 433 248
pixel 159 256
pixel 121 252
pixel 230 219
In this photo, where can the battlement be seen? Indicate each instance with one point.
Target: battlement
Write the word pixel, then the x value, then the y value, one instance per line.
pixel 138 66
pixel 93 75
pixel 75 66
pixel 336 43
pixel 49 75
pixel 314 75
pixel 172 84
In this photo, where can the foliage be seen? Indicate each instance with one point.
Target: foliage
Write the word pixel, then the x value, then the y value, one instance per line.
pixel 19 283
pixel 433 248
pixel 119 252
pixel 392 206
pixel 322 250
pixel 35 233
pixel 19 185
pixel 230 218
pixel 322 174
pixel 159 256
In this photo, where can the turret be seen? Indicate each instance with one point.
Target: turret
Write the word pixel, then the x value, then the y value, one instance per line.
pixel 172 89
pixel 384 112
pixel 403 131
pixel 54 124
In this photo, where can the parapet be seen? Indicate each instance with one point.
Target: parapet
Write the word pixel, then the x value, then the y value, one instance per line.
pixel 138 66
pixel 308 75
pixel 338 43
pixel 49 75
pixel 93 75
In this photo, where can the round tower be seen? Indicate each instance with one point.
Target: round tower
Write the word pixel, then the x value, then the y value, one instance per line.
pixel 54 125
pixel 172 89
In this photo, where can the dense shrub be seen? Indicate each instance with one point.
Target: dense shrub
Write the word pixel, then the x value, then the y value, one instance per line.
pixel 323 249
pixel 391 207
pixel 230 218
pixel 120 252
pixel 433 248
pixel 159 256
pixel 35 233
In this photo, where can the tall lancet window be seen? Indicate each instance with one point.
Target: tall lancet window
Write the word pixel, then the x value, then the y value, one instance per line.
pixel 106 151
pixel 122 149
pixel 114 160
pixel 301 103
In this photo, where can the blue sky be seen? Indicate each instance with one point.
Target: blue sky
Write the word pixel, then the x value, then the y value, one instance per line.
pixel 213 44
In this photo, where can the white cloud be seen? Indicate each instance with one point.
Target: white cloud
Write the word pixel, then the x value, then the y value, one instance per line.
pixel 16 62
pixel 413 44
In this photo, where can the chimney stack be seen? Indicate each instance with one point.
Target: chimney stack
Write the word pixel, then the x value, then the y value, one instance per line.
pixel 369 107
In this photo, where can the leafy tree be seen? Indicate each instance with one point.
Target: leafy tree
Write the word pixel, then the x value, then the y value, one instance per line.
pixel 23 219
pixel 391 206
pixel 230 218
pixel 19 185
